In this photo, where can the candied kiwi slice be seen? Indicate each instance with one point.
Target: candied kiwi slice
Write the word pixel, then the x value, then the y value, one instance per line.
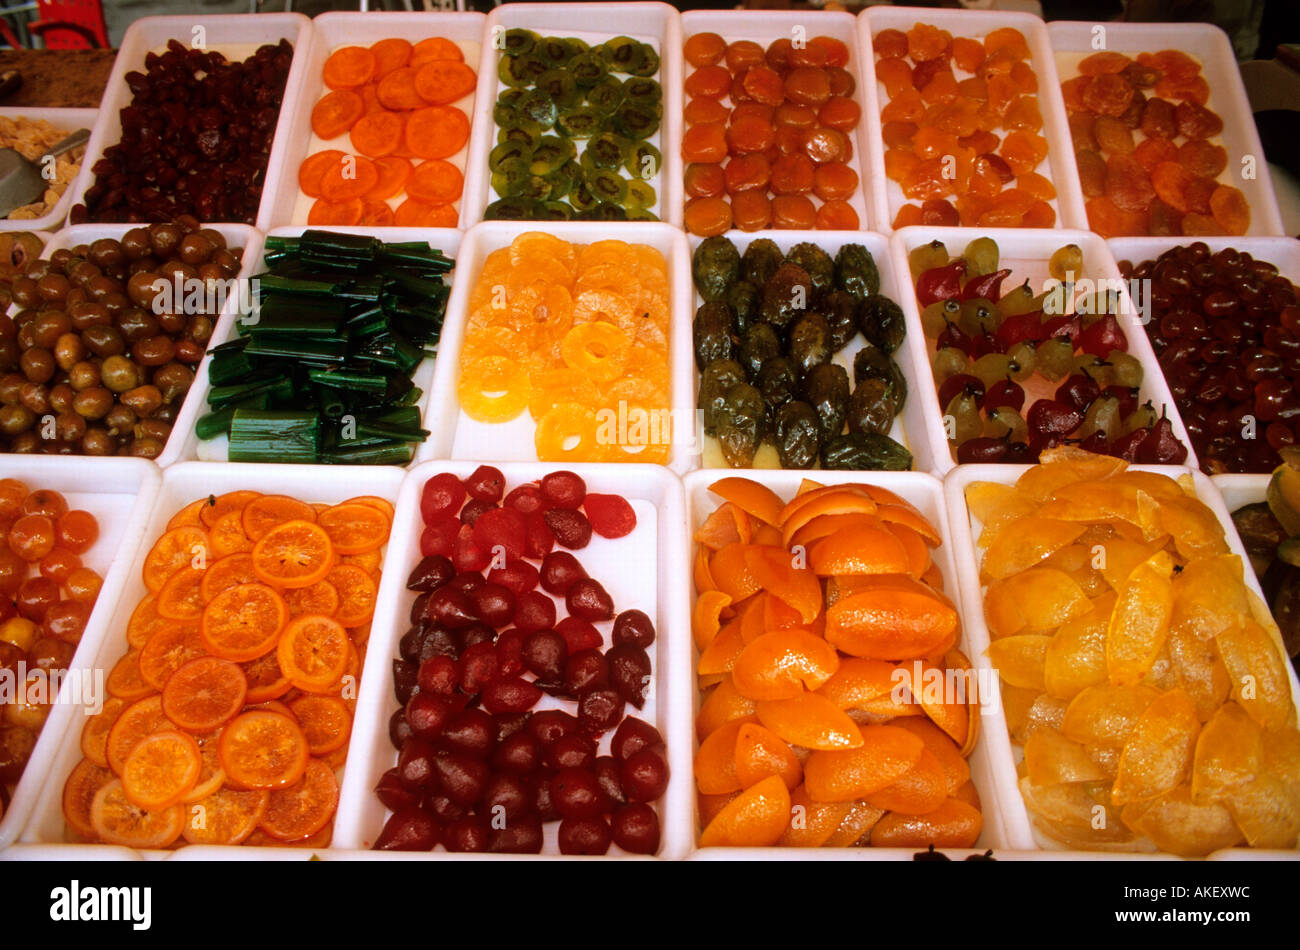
pixel 587 69
pixel 636 122
pixel 606 151
pixel 559 85
pixel 518 40
pixel 537 106
pixel 520 71
pixel 580 196
pixel 511 209
pixel 551 153
pixel 509 177
pixel 640 195
pixel 641 214
pixel 643 91
pixel 527 133
pixel 579 123
pixel 553 51
pixel 645 62
pixel 505 115
pixel 606 95
pixel 554 211
pixel 507 151
pixel 620 53
pixel 643 161
pixel 562 178
pixel 607 211
pixel 608 185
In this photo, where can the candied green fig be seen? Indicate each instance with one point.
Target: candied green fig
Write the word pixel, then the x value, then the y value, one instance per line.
pixel 872 361
pixel 818 264
pixel 866 451
pixel 1286 608
pixel 810 342
pixel 758 345
pixel 881 322
pixel 742 423
pixel 711 332
pixel 873 406
pixel 787 293
pixel 715 265
pixel 743 298
pixel 718 378
pixel 1260 533
pixel 826 389
pixel 778 381
pixel 856 271
pixel 841 311
pixel 760 261
pixel 796 435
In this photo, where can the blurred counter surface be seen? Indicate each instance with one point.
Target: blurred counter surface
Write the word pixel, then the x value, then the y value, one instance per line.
pixel 58 78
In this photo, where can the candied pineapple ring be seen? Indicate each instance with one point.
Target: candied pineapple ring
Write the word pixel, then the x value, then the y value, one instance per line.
pixel 493 389
pixel 568 432
pixel 596 349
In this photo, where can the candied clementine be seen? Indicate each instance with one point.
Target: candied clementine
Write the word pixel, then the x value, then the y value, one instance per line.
pixel 755 818
pixel 884 755
pixel 1230 209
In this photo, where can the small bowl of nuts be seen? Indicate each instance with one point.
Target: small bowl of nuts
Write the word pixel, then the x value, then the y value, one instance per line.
pixel 32 132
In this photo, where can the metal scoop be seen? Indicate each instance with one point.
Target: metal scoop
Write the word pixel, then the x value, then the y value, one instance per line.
pixel 21 181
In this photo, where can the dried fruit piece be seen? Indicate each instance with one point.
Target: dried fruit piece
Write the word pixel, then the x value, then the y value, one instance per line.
pixel 1158 754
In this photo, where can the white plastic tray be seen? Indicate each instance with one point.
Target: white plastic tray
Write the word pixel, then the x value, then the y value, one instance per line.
pixel 457 436
pixel 216 450
pixel 1059 165
pixel 288 205
pixel 235 36
pixel 236 235
pixel 640 571
pixel 655 23
pixel 911 426
pixel 772 25
pixel 69 120
pixel 965 529
pixel 926 493
pixel 120 494
pixel 1071 41
pixel 1026 252
pixel 182 484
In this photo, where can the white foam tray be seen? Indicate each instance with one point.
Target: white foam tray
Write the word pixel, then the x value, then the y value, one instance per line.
pixel 456 435
pixel 965 529
pixel 655 23
pixel 926 493
pixel 120 494
pixel 235 36
pixel 216 450
pixel 1071 41
pixel 180 485
pixel 288 205
pixel 236 235
pixel 69 120
pixel 771 25
pixel 641 570
pixel 1058 167
pixel 911 426
pixel 1026 252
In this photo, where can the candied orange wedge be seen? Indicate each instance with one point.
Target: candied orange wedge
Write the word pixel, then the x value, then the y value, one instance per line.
pixel 1177 825
pixel 825 525
pixel 710 805
pixel 933 578
pixel 1106 715
pixel 706 616
pixel 755 818
pixel 942 694
pixel 721 706
pixel 938 743
pixel 866 549
pixel 822 503
pixel 858 681
pixel 994 504
pixel 884 755
pixel 1095 501
pixel 811 721
pixel 1117 557
pixel 893 621
pixel 1160 487
pixel 1076 814
pixel 1039 599
pixel 1158 755
pixel 1267 811
pixel 778 665
pixel 918 550
pixel 721 653
pixel 700 574
pixel 1140 621
pixel 775 571
pixel 855 829
pixel 806 485
pixel 955 659
pixel 1258 674
pixel 715 760
pixel 812 822
pixel 921 790
pixel 1024 542
pixel 753 617
pixel 907 515
pixel 760 752
pixel 730 570
pixel 719 529
pixel 750 496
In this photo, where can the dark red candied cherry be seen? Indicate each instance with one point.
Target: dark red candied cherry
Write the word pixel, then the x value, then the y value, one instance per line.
pixel 506 796
pixel 635 828
pixel 549 725
pixel 634 627
pixel 405 680
pixel 584 670
pixel 631 736
pixel 510 650
pixel 443 808
pixel 1005 392
pixel 576 793
pixel 518 576
pixel 570 528
pixel 526 499
pixel 477 667
pixel 501 530
pixel 393 794
pixel 410 829
pixel 493 604
pixel 534 611
pixel 521 836
pixel 438 675
pixel 466 835
pixel 629 672
pixel 579 635
pixel 510 694
pixel 473 511
pixel 571 751
pixel 450 608
pixel 430 573
pixel 644 776
pixel 486 483
pixel 543 802
pixel 958 384
pixel 439 537
pixel 399 730
pixel 560 570
pixel 600 710
pixel 564 489
pixel 584 836
pixel 607 769
pixel 461 777
pixel 415 763
pixel 983 449
pixel 539 540
pixel 443 494
pixel 544 655
pixel 471 732
pixel 466 582
pixel 466 555
pixel 428 713
pixel 519 753
pixel 588 600
pixel 476 632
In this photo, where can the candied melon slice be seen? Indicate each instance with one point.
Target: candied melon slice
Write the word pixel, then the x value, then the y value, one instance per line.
pixel 1052 759
pixel 1257 674
pixel 1174 823
pixel 1106 715
pixel 1140 621
pixel 1024 542
pixel 1020 659
pixel 1076 656
pixel 1039 599
pixel 1228 753
pixel 1158 754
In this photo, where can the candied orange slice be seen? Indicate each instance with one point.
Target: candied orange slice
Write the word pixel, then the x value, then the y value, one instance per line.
pixel 1106 715
pixel 811 721
pixel 774 570
pixel 492 389
pixel 294 554
pixel 757 817
pixel 177 548
pixel 320 598
pixel 1179 826
pixel 116 820
pixel 570 432
pixel 229 816
pixel 265 512
pixel 780 664
pixel 715 761
pixel 135 722
pixel 94 734
pixel 211 775
pixel 750 496
pixel 223 505
pixel 865 549
pixel 954 824
pixel 325 722
pixel 300 810
pixel 161 770
pixel 204 693
pixel 357 591
pixel 354 528
pixel 188 516
pixel 168 650
pixel 261 749
pixel 759 753
pixel 313 652
pixel 721 653
pixel 244 622
pixel 79 791
pixel 144 621
pixel 125 681
pixel 921 790
pixel 1140 621
pixel 230 571
pixel 1041 598
pixel 721 706
pixel 812 823
pixel 891 622
pixel 885 754
pixel 550 387
pixel 598 350
pixel 227 536
pixel 180 597
pixel 730 570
